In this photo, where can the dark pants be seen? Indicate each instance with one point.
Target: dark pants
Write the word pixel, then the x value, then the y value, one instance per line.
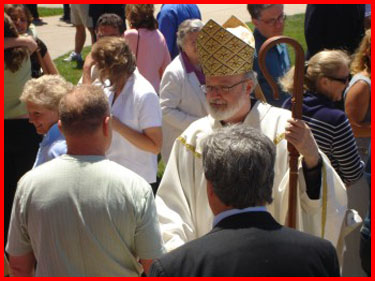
pixel 21 143
pixel 33 8
pixel 66 15
pixel 365 253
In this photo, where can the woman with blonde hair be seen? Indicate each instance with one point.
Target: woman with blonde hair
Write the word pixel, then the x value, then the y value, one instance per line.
pixel 42 96
pixel 358 95
pixel 135 109
pixel 326 77
pixel 147 42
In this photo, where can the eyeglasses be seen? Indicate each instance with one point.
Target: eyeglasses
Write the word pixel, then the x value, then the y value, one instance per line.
pixel 342 80
pixel 279 19
pixel 220 89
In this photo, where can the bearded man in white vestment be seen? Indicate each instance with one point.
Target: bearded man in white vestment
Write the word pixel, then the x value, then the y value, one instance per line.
pixel 182 204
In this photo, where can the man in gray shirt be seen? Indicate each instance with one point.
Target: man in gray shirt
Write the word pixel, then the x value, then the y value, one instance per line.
pixel 81 214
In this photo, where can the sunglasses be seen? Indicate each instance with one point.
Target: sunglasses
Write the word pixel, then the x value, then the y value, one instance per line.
pixel 342 80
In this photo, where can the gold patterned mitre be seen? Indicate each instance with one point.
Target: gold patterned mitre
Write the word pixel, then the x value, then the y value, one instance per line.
pixel 224 52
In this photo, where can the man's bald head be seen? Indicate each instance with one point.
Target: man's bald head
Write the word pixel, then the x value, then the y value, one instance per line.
pixel 83 110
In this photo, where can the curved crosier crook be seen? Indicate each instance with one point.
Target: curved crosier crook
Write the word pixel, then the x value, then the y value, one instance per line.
pixel 296 110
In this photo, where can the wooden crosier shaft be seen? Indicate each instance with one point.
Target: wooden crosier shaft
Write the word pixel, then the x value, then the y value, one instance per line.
pixel 296 110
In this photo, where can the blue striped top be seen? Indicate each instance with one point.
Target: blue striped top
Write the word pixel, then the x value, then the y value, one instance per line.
pixel 333 134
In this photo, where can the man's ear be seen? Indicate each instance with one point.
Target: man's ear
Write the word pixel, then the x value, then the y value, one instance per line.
pixel 210 189
pixel 250 87
pixel 255 22
pixel 107 126
pixel 210 196
pixel 323 81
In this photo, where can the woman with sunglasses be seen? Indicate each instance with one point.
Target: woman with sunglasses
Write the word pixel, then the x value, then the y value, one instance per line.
pixel 326 77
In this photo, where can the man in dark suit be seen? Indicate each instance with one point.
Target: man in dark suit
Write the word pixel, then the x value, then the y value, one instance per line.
pixel 245 241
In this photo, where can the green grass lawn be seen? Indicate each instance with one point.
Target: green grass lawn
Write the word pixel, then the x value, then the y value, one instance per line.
pixel 69 70
pixel 48 12
pixel 293 28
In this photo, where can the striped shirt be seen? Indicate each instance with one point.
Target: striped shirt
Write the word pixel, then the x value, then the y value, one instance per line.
pixel 333 134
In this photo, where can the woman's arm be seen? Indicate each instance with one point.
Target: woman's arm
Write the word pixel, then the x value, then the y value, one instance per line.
pixel 149 140
pixel 357 103
pixel 51 68
pixel 24 41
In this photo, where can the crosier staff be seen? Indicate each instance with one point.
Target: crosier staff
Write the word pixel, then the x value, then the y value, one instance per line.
pixel 296 110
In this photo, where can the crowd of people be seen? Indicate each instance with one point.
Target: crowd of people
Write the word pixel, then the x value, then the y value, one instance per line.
pixel 81 191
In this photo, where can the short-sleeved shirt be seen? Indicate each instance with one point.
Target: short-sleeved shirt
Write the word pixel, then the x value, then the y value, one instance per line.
pixel 84 216
pixel 52 146
pixel 137 107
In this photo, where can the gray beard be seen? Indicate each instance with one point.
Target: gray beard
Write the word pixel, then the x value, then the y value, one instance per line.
pixel 229 112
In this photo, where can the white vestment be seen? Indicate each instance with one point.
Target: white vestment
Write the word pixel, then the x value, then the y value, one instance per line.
pixel 182 203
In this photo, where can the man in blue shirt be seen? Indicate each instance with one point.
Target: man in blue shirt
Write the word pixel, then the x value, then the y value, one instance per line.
pixel 269 21
pixel 170 17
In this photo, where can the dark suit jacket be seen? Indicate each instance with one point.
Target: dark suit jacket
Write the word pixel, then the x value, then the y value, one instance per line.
pixel 250 244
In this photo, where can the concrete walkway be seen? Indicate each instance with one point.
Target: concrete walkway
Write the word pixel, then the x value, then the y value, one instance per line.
pixel 59 36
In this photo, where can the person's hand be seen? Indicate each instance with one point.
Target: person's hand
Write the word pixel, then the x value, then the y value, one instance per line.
pixel 30 43
pixel 298 133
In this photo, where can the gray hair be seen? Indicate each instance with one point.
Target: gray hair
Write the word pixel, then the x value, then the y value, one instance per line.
pixel 186 27
pixel 256 9
pixel 239 162
pixel 82 111
pixel 46 91
pixel 252 75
